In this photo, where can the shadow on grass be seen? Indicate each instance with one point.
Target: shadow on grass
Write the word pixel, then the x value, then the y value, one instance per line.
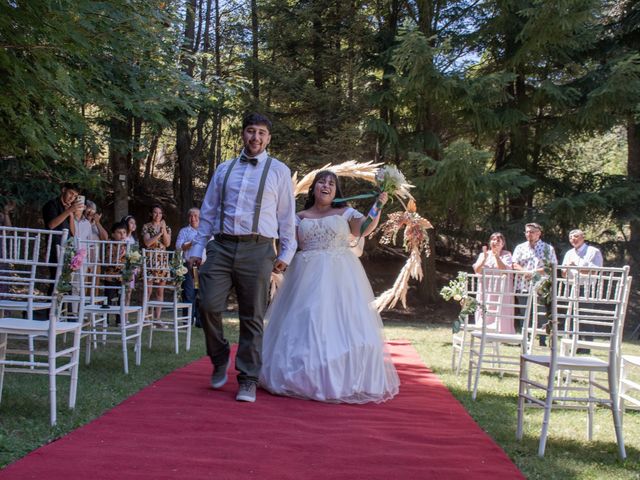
pixel 566 458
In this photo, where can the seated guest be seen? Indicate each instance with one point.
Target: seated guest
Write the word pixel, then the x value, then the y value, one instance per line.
pixel 184 243
pixel 496 257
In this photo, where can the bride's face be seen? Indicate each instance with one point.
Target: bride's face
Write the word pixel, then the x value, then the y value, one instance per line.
pixel 325 190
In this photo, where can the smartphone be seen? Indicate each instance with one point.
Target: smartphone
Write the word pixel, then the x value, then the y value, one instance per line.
pixel 80 199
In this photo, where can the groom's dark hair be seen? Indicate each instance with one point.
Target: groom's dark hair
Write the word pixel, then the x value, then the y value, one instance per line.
pixel 255 118
pixel 311 198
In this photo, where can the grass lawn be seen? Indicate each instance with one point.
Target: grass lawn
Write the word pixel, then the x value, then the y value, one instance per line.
pixel 24 412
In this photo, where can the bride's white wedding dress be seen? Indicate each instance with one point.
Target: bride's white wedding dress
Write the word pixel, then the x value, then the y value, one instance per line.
pixel 324 339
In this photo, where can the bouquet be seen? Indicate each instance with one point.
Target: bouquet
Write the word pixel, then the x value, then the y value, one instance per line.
pixel 457 291
pixel 391 180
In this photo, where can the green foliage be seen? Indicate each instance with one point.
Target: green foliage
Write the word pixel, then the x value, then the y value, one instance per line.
pixel 459 187
pixel 60 57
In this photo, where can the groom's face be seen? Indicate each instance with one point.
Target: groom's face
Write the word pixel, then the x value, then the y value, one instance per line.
pixel 256 138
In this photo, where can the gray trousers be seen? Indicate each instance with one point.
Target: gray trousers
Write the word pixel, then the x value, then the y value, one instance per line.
pixel 245 266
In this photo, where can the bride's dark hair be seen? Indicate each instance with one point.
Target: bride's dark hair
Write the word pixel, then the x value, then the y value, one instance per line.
pixel 311 198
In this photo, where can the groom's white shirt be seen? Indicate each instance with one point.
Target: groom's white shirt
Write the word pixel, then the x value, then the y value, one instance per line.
pixel 277 214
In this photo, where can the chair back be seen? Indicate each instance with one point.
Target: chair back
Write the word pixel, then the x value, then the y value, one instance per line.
pixel 595 297
pixel 159 271
pixel 30 265
pixel 510 298
pixel 101 274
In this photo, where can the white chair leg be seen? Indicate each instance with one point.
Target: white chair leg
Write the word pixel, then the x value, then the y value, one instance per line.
pixel 123 341
pixel 521 390
pixel 617 417
pixel 590 406
pixel 189 326
pixel 138 344
pixel 547 413
pixel 52 388
pixel 478 370
pixel 75 360
pixel 470 366
pixel 3 354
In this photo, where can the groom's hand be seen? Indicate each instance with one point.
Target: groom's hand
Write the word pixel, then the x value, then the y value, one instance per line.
pixel 194 262
pixel 279 266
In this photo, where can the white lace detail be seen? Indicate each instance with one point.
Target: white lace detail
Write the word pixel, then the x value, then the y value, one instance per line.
pixel 327 233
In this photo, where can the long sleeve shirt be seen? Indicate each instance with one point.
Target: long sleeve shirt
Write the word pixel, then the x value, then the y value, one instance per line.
pixel 277 214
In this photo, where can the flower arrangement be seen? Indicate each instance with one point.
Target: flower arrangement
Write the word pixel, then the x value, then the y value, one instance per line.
pixel 543 287
pixel 415 230
pixel 457 291
pixel 391 180
pixel 72 262
pixel 132 263
pixel 416 241
pixel 178 270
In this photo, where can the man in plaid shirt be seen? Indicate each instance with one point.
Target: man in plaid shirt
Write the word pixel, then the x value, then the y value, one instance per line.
pixel 532 256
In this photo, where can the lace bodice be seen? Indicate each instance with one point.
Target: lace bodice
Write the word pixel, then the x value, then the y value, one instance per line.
pixel 327 233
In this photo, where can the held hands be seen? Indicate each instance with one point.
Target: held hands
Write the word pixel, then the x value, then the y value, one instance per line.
pixel 279 266
pixel 194 262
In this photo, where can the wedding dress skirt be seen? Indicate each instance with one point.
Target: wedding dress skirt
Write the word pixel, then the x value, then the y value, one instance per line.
pixel 324 339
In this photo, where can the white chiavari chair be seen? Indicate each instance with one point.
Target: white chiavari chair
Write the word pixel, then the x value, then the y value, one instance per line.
pixel 604 290
pixel 115 321
pixel 502 303
pixel 22 277
pixel 158 273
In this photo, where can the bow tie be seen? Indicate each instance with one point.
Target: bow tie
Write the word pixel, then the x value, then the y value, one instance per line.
pixel 252 161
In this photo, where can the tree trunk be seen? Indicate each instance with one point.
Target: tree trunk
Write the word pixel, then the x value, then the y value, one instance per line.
pixel 136 156
pixel 185 160
pixel 119 148
pixel 428 291
pixel 633 172
pixel 255 78
pixel 183 135
pixel 153 147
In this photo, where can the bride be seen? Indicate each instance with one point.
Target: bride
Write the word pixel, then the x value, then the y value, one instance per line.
pixel 323 339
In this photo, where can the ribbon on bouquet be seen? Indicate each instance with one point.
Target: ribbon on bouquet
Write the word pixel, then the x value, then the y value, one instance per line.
pixel 373 213
pixel 370 194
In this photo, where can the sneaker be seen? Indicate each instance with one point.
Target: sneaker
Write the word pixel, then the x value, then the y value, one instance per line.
pixel 246 392
pixel 219 375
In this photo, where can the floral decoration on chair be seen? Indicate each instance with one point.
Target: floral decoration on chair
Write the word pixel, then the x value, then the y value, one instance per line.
pixel 178 270
pixel 132 263
pixel 457 291
pixel 72 262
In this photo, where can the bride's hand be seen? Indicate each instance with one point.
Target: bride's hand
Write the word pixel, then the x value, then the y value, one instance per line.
pixel 383 198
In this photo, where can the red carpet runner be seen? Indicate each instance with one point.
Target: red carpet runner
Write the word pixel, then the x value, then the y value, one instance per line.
pixel 178 428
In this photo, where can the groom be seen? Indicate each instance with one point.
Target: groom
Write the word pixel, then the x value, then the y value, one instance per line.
pixel 249 203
